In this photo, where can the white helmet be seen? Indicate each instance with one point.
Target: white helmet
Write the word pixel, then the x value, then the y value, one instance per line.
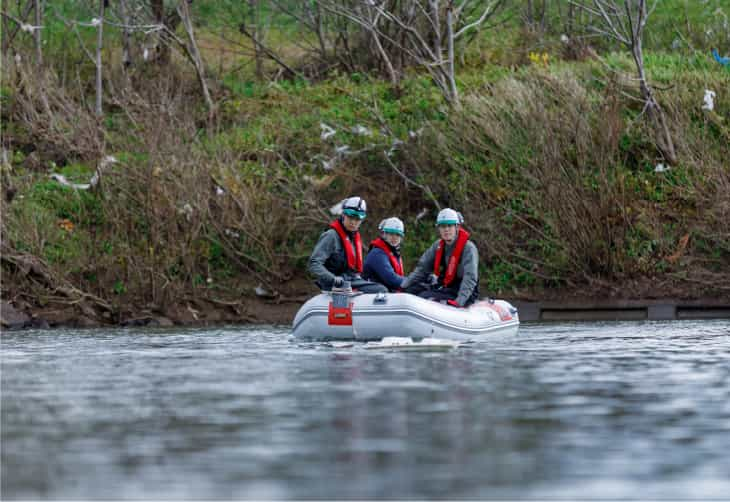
pixel 449 217
pixel 392 226
pixel 355 207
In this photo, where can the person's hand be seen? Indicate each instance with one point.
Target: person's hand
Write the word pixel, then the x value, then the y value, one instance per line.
pixel 454 303
pixel 433 280
pixel 338 282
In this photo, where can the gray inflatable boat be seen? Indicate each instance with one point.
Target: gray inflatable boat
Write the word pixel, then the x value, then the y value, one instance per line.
pixel 347 315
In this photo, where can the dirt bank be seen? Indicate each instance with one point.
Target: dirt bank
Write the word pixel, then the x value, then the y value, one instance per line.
pixel 20 314
pixel 257 306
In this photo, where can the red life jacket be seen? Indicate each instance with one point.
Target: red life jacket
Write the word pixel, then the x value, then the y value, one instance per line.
pixel 454 259
pixel 395 262
pixel 354 259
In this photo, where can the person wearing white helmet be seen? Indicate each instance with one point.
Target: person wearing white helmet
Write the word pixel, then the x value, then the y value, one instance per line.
pixel 384 263
pixel 337 256
pixel 449 269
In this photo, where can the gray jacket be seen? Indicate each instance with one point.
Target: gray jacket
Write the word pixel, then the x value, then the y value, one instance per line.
pixel 328 258
pixel 467 271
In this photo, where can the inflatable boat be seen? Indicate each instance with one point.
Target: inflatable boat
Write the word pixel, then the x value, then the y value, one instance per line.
pixel 347 315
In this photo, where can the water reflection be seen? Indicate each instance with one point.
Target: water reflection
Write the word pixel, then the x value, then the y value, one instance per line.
pixel 559 410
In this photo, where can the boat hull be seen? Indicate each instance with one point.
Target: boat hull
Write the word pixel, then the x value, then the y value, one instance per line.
pixel 373 317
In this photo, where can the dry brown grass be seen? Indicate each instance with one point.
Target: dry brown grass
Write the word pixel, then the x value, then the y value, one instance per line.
pixel 539 167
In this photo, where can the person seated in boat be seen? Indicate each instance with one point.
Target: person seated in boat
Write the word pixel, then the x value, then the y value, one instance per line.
pixel 337 256
pixel 449 269
pixel 384 264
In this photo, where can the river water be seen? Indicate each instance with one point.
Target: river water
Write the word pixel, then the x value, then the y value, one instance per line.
pixel 571 410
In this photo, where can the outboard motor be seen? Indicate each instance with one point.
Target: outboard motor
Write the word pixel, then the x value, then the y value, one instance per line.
pixel 340 308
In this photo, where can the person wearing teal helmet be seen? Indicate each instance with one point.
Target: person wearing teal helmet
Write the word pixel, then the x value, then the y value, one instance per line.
pixel 337 256
pixel 384 263
pixel 448 270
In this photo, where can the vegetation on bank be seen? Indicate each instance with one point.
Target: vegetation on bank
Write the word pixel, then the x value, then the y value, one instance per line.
pixel 549 156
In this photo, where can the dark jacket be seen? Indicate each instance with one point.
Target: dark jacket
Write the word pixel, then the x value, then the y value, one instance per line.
pixel 378 268
pixel 328 259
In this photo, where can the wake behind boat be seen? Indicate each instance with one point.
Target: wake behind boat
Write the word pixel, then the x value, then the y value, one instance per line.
pixel 347 315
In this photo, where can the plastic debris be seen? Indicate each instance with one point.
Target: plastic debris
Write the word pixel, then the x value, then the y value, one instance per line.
pixel 660 168
pixel 60 178
pixel 709 100
pixel 262 292
pixel 327 131
pixel 187 210
pixel 328 165
pixel 108 159
pixel 394 147
pixel 361 130
pixel 725 61
pixel 29 28
pixel 336 210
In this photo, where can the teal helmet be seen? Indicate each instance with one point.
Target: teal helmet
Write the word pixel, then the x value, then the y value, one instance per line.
pixel 355 207
pixel 449 217
pixel 392 226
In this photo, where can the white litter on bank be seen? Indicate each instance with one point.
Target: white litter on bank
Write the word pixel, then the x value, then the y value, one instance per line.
pixel 709 100
pixel 327 131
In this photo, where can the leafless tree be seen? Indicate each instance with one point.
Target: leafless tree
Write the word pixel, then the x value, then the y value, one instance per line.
pixel 536 14
pixel 425 31
pixel 35 31
pixel 170 21
pixel 126 34
pixel 624 21
pixel 257 34
pixel 99 46
pixel 193 53
pixel 38 9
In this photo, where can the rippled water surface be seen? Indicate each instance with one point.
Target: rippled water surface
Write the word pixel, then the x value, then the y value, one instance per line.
pixel 637 410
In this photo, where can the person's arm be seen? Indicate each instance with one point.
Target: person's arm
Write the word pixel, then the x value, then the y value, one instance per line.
pixel 384 270
pixel 326 245
pixel 423 268
pixel 470 262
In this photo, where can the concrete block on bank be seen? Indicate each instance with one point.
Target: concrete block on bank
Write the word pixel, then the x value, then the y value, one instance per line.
pixel 528 311
pixel 703 312
pixel 661 312
pixel 593 314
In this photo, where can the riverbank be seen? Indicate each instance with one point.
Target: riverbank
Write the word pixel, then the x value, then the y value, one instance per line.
pixel 279 309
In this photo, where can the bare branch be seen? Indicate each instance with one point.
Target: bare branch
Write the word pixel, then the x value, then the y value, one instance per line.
pixel 99 46
pixel 488 11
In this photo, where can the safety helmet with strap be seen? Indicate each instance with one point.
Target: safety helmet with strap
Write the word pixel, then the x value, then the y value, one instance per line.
pixel 392 226
pixel 355 207
pixel 449 217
